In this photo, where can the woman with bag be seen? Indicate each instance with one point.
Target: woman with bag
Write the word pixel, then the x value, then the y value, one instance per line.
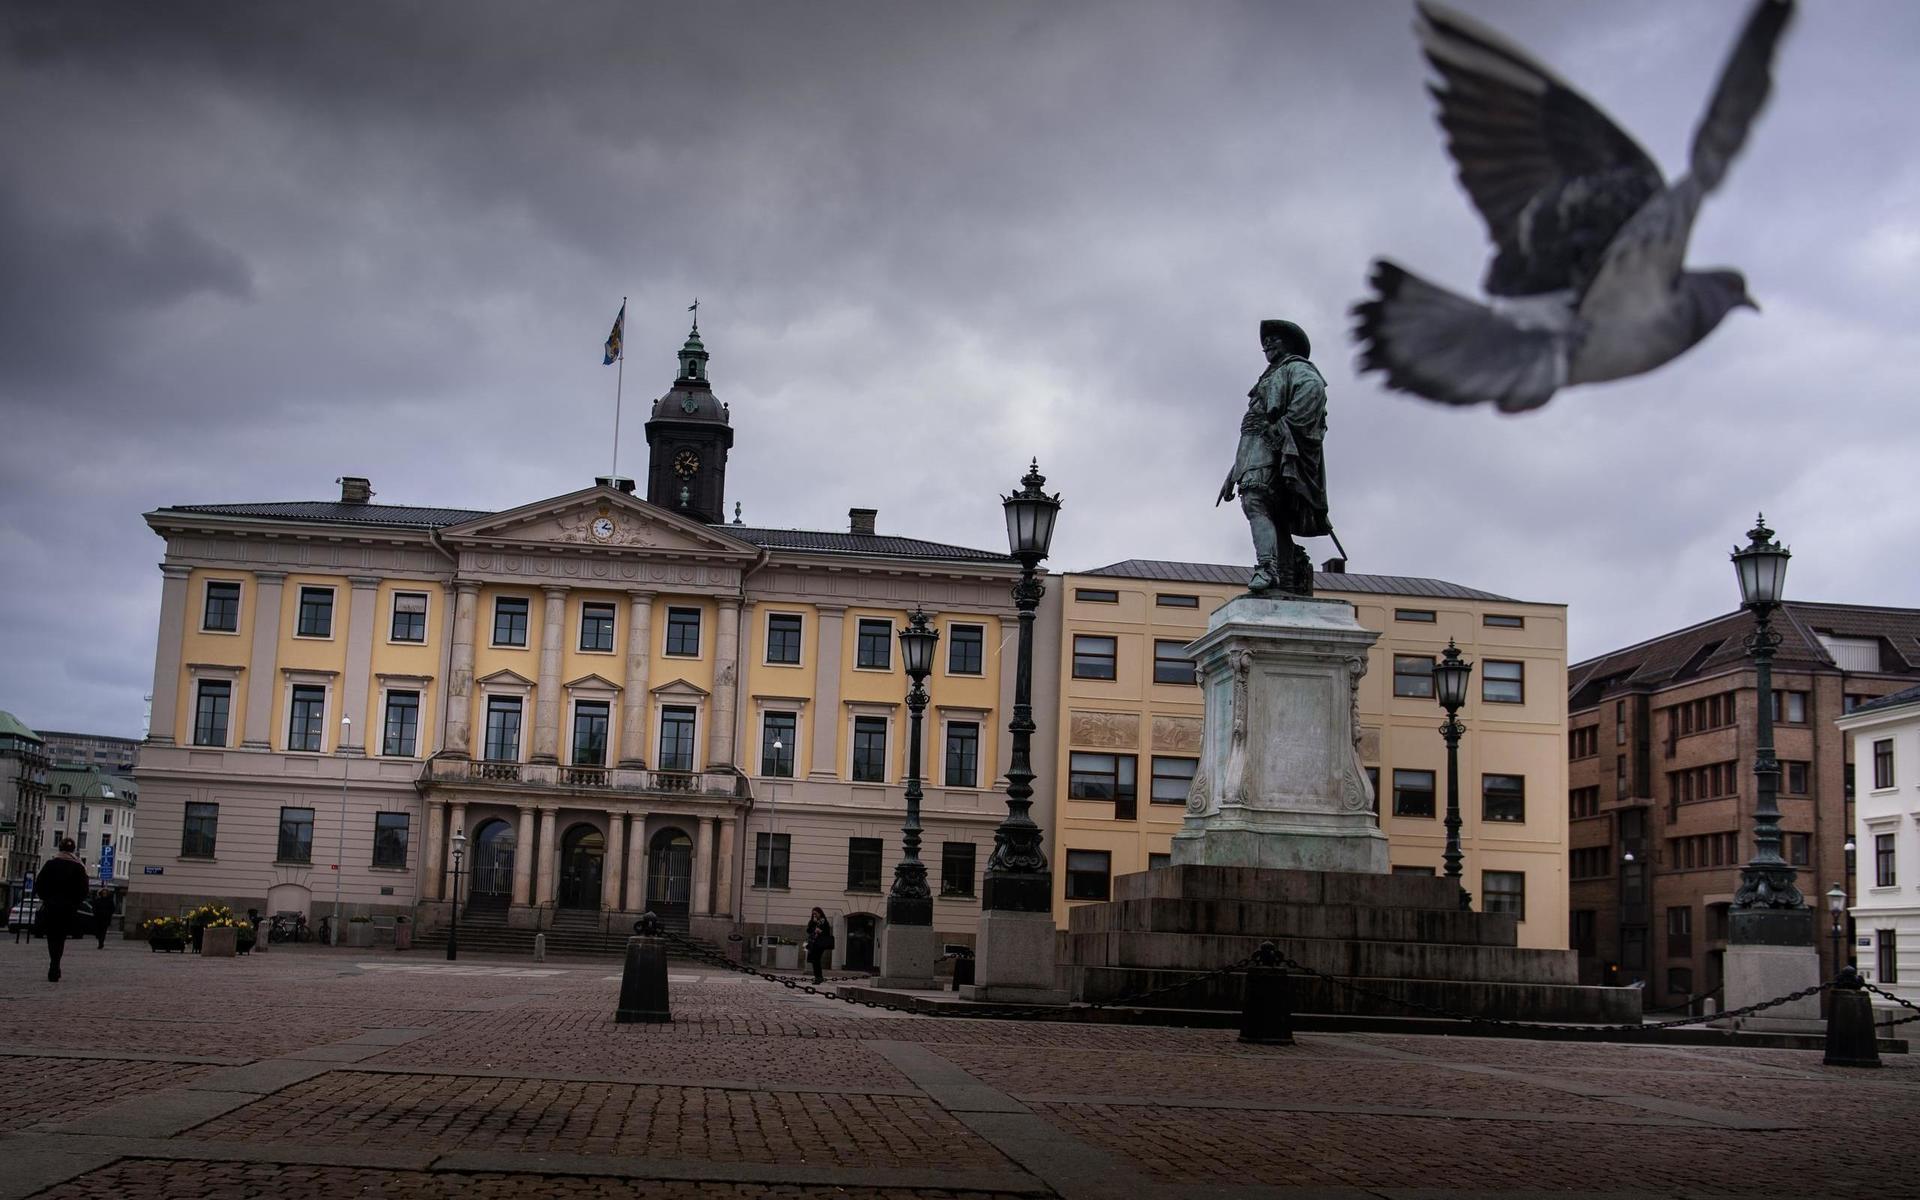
pixel 62 888
pixel 104 907
pixel 819 942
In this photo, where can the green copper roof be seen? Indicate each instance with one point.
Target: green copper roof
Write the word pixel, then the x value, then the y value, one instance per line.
pixel 12 726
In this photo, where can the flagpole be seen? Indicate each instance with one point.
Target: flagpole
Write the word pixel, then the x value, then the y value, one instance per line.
pixel 619 379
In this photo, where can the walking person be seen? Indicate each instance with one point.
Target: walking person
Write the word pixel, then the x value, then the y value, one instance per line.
pixel 104 906
pixel 62 888
pixel 819 942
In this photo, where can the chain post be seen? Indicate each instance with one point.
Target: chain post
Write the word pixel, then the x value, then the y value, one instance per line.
pixel 1852 1040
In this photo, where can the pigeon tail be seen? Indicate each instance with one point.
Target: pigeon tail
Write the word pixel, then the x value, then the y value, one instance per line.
pixel 1445 347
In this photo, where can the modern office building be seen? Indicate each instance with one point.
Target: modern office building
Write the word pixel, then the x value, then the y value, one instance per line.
pixel 100 750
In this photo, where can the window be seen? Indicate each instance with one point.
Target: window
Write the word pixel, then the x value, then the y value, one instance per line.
pixel 1583 934
pixel 1423 616
pixel 296 836
pixel 402 736
pixel 1104 777
pixel 1156 861
pixel 60 810
pixel 1096 596
pixel 1172 779
pixel 1633 947
pixel 1094 657
pixel 1883 763
pixel 1503 621
pixel 510 620
pixel 316 613
pixel 683 632
pixel 596 627
pixel 1680 931
pixel 1503 798
pixel 1797 848
pixel 503 729
pixel 777 733
pixel 956 868
pixel 873 646
pixel 1883 872
pixel 306 713
pixel 1413 675
pixel 1619 722
pixel 676 739
pixel 1087 874
pixel 966 649
pixel 1590 862
pixel 1503 682
pixel 590 733
pixel 770 854
pixel 863 864
pixel 1680 981
pixel 210 711
pixel 223 607
pixel 1170 600
pixel 869 749
pixel 1717 916
pixel 82 844
pixel 390 830
pixel 963 754
pixel 409 617
pixel 1583 802
pixel 1504 892
pixel 1412 793
pixel 1789 708
pixel 1426 872
pixel 1885 956
pixel 1796 778
pixel 1170 662
pixel 1583 742
pixel 783 638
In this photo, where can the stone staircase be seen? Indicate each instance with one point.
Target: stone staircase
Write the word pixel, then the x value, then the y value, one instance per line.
pixel 1400 935
pixel 571 933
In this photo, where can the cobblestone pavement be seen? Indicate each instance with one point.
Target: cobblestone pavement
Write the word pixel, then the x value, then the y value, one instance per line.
pixel 308 1072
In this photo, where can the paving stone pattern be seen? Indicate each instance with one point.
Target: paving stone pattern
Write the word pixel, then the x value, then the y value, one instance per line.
pixel 308 1072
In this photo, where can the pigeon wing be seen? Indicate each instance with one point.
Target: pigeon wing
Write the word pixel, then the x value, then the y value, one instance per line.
pixel 1552 176
pixel 1744 85
pixel 1443 346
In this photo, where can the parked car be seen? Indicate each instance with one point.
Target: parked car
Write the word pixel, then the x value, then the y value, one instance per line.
pixel 23 914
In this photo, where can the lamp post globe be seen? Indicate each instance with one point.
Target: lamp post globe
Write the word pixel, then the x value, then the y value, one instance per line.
pixel 910 901
pixel 453 929
pixel 1450 676
pixel 1767 880
pixel 1837 906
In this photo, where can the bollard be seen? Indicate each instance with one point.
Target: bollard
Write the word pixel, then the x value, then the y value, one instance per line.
pixel 643 982
pixel 1266 1012
pixel 1851 1038
pixel 539 947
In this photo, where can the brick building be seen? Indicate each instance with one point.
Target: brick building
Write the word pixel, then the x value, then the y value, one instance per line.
pixel 1661 792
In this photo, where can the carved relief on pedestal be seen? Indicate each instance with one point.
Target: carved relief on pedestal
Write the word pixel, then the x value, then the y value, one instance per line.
pixel 1177 734
pixel 1234 786
pixel 1197 797
pixel 1357 795
pixel 1117 731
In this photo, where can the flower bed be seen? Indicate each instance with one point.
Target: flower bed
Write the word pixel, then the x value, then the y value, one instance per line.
pixel 166 934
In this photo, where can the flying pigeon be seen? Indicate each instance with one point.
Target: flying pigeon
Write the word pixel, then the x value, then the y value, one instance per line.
pixel 1587 281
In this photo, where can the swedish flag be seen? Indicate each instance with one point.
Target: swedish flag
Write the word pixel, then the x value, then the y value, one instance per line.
pixel 615 339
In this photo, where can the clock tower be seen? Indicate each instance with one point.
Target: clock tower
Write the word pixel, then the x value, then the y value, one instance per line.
pixel 688 436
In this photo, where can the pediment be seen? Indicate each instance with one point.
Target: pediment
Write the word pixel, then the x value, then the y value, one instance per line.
pixel 569 521
pixel 592 683
pixel 680 687
pixel 505 678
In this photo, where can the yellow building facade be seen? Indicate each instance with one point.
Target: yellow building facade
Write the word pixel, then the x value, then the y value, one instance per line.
pixel 1130 714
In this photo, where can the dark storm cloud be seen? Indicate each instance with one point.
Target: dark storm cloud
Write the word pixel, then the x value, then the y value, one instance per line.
pixel 247 249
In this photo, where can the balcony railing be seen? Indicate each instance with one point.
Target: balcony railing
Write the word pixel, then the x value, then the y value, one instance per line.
pixel 595 779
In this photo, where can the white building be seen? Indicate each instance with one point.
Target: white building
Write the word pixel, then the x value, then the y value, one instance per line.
pixel 1886 912
pixel 96 810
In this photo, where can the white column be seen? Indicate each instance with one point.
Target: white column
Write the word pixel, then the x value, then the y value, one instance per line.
pixel 262 682
pixel 610 861
pixel 546 722
pixel 826 713
pixel 523 860
pixel 161 727
pixel 702 904
pixel 635 699
pixel 432 864
pixel 637 864
pixel 726 669
pixel 359 673
pixel 460 670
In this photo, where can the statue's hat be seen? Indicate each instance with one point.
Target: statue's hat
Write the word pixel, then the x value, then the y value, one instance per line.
pixel 1291 336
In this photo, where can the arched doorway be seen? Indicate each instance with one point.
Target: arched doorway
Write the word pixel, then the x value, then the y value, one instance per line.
pixel 491 862
pixel 670 874
pixel 583 856
pixel 860 940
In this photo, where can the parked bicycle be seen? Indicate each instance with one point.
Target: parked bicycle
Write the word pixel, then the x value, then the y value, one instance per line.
pixel 289 927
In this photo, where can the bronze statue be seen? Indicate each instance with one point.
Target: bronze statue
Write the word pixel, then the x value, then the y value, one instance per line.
pixel 1278 467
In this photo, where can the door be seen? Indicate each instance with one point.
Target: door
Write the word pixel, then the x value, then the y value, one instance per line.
pixel 493 848
pixel 860 939
pixel 669 873
pixel 583 852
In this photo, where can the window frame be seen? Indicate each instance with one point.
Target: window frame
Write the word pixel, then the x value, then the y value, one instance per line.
pixel 977 638
pixel 302 856
pixel 586 708
pixel 1417 616
pixel 1519 683
pixel 297 695
pixel 1185 670
pixel 300 611
pixel 526 622
pixel 493 702
pixel 860 759
pixel 772 861
pixel 949 885
pixel 1886 870
pixel 1502 621
pixel 1415 680
pixel 1122 778
pixel 199 822
pixel 873 647
pixel 207 606
pixel 1175 600
pixel 1886 956
pixel 387 709
pixel 606 618
pixel 970 778
pixel 1078 883
pixel 798 644
pixel 200 698
pixel 1083 595
pixel 383 837
pixel 1432 792
pixel 1486 798
pixel 1883 770
pixel 674 629
pixel 691 715
pixel 394 613
pixel 1155 775
pixel 864 854
pixel 787 751
pixel 1092 657
pixel 1488 892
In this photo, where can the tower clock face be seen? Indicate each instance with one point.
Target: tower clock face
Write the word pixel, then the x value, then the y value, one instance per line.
pixel 685 464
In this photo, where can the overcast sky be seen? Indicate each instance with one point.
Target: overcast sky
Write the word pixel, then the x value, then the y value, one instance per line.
pixel 246 249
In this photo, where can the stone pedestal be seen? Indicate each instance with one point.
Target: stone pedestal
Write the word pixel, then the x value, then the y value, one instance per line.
pixel 1280 784
pixel 907 956
pixel 219 943
pixel 1756 973
pixel 1014 960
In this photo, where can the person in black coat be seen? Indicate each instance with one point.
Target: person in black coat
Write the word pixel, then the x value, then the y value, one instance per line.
pixel 819 942
pixel 104 906
pixel 62 888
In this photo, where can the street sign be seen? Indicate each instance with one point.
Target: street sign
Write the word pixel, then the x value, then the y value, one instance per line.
pixel 28 881
pixel 106 861
pixel 156 870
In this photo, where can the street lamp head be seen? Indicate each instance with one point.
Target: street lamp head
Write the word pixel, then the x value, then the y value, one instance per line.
pixel 1030 516
pixel 1450 677
pixel 346 722
pixel 1850 846
pixel 1837 900
pixel 917 641
pixel 459 845
pixel 1761 566
pixel 1627 857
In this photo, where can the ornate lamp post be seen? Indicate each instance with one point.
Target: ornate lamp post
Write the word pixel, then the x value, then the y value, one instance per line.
pixel 453 931
pixel 1837 905
pixel 1450 676
pixel 910 902
pixel 1767 881
pixel 1017 878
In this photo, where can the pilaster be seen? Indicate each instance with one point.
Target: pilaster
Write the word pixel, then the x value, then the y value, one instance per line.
pixel 633 701
pixel 261 676
pixel 726 672
pixel 359 673
pixel 164 720
pixel 546 722
pixel 825 763
pixel 460 670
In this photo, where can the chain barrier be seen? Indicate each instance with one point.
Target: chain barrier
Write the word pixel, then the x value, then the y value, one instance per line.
pixel 1902 1001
